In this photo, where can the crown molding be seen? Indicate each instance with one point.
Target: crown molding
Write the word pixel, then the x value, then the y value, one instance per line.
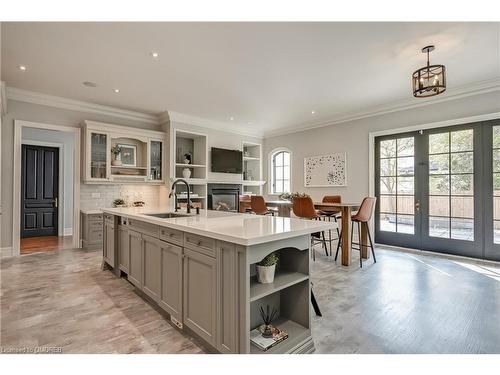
pixel 215 125
pixel 33 97
pixel 477 88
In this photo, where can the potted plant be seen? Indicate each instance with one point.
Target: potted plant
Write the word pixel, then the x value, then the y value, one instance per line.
pixel 266 268
pixel 119 203
pixel 116 150
pixel 292 196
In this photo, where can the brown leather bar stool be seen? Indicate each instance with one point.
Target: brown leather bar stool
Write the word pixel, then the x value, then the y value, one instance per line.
pixel 362 217
pixel 245 203
pixel 258 205
pixel 331 214
pixel 303 207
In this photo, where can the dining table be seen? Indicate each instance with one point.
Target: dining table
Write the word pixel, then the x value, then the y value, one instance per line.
pixel 346 209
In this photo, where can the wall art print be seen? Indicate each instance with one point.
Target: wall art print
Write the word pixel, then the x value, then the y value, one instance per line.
pixel 326 170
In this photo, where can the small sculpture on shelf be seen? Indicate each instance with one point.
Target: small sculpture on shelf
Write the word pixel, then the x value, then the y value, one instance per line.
pixel 116 150
pixel 187 158
pixel 267 317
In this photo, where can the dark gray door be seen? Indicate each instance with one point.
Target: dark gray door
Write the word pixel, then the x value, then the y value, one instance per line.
pixel 452 200
pixel 39 191
pixel 454 187
pixel 398 218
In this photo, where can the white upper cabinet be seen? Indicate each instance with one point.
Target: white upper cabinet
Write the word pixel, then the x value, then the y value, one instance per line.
pixel 119 154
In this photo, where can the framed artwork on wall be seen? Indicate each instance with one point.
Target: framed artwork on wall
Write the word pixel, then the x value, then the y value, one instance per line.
pixel 326 170
pixel 129 155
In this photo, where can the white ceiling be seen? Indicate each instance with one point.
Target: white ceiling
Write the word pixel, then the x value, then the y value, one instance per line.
pixel 271 75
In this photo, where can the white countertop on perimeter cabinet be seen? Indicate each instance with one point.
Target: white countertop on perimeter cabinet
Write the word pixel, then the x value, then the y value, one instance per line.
pixel 242 229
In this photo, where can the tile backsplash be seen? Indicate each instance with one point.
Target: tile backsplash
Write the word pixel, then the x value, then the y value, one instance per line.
pixel 102 196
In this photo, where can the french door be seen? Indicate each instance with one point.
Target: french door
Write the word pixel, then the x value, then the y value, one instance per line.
pixel 439 190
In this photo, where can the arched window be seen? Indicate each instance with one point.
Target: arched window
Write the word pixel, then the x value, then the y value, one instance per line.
pixel 280 171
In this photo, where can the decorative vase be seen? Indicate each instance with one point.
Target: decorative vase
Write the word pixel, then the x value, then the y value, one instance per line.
pixel 268 331
pixel 117 160
pixel 265 274
pixel 186 173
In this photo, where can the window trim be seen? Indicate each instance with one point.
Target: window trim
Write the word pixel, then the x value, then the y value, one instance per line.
pixel 271 169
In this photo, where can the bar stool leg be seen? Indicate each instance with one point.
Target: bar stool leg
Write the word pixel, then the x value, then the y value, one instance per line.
pixel 324 243
pixel 360 245
pixel 371 243
pixel 339 243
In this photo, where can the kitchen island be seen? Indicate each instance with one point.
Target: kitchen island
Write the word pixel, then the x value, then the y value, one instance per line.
pixel 200 269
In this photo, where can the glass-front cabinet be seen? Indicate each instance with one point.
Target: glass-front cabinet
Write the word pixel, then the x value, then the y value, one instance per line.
pixel 156 160
pixel 119 154
pixel 98 155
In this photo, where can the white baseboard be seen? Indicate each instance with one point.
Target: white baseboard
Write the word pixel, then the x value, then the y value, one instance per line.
pixel 68 232
pixel 5 252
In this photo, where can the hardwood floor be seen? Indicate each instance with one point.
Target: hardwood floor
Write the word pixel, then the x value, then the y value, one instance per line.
pixel 46 243
pixel 405 303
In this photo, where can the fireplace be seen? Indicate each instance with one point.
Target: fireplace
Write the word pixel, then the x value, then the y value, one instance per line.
pixel 224 197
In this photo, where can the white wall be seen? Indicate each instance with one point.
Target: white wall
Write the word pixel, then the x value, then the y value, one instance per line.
pixel 66 139
pixel 352 138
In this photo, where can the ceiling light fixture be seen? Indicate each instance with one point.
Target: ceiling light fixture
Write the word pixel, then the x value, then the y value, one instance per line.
pixel 154 54
pixel 89 84
pixel 22 67
pixel 429 80
pixel 313 112
pixel 231 118
pixel 116 90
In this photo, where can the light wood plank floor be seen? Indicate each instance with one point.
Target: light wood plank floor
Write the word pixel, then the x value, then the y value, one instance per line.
pixel 405 303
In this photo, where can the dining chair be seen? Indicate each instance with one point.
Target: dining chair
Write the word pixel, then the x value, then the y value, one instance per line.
pixel 245 203
pixel 334 213
pixel 258 206
pixel 362 217
pixel 303 207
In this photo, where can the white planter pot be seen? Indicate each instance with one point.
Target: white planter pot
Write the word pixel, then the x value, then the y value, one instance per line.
pixel 117 161
pixel 265 275
pixel 186 173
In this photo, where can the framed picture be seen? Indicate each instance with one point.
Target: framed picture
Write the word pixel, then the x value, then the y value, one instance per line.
pixel 326 170
pixel 129 155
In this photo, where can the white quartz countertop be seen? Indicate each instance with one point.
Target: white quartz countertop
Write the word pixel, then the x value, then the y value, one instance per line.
pixel 92 212
pixel 242 229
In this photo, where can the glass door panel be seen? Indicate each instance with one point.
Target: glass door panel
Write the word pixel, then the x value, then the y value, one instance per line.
pixel 98 155
pixel 156 161
pixel 395 212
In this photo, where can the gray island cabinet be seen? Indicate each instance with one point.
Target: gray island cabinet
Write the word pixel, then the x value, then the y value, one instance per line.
pixel 201 271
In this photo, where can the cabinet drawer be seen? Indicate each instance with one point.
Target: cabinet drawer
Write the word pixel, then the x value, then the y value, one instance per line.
pixel 95 226
pixel 109 218
pixel 96 217
pixel 95 235
pixel 171 235
pixel 142 227
pixel 204 245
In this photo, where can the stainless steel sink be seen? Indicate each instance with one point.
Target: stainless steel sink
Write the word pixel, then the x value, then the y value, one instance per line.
pixel 167 215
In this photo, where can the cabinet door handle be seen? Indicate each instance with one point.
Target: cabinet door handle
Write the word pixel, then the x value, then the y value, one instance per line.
pixel 198 243
pixel 171 234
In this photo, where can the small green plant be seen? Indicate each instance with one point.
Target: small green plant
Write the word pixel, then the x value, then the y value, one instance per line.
pixel 269 260
pixel 292 196
pixel 116 150
pixel 119 202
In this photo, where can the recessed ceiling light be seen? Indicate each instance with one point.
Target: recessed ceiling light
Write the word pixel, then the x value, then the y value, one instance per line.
pixel 313 112
pixel 22 67
pixel 231 118
pixel 154 54
pixel 249 123
pixel 89 84
pixel 116 90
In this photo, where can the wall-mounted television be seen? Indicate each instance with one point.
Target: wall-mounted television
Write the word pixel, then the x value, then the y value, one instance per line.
pixel 227 161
